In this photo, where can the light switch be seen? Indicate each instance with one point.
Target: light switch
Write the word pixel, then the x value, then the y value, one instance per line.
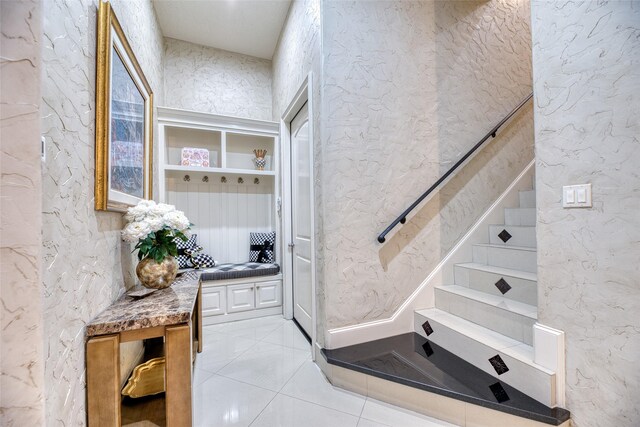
pixel 576 196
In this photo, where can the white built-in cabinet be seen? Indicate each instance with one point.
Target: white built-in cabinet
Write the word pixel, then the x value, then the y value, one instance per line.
pixel 225 201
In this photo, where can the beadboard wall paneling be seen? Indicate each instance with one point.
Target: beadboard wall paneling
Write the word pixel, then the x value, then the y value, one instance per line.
pixel 225 214
pixel 210 80
pixel 21 349
pixel 85 263
pixel 586 63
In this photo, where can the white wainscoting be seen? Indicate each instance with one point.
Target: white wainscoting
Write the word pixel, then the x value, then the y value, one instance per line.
pixel 224 214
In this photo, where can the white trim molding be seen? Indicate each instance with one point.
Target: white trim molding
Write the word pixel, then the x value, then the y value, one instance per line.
pixel 302 96
pixel 548 347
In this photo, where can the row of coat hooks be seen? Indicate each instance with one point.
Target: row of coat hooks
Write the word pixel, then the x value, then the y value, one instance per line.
pixel 223 179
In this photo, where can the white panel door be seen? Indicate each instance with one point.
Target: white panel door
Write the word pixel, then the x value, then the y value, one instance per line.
pixel 301 216
pixel 240 298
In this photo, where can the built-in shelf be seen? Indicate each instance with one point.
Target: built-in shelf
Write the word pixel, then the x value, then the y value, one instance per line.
pixel 221 171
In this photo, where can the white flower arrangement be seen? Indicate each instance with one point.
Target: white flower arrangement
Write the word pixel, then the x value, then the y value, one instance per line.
pixel 154 226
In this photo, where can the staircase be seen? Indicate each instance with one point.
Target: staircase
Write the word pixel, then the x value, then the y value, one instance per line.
pixel 472 353
pixel 486 316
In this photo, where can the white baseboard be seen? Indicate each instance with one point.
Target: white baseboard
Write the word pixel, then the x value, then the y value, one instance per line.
pixel 423 297
pixel 548 347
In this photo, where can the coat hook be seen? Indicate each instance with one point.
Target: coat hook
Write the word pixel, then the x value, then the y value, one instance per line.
pixel 240 180
pixel 187 178
pixel 205 179
pixel 256 180
pixel 223 179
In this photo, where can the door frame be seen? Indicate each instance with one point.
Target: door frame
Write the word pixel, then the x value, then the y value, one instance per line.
pixel 302 96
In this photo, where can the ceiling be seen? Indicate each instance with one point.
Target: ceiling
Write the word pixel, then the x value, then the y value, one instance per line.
pixel 250 27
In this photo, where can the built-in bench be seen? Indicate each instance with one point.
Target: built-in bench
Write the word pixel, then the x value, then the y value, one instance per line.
pixel 240 291
pixel 239 271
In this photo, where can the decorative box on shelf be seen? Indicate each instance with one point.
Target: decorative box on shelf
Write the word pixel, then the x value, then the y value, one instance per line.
pixel 195 157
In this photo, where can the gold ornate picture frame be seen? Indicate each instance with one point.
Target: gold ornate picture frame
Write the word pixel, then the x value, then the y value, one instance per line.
pixel 124 125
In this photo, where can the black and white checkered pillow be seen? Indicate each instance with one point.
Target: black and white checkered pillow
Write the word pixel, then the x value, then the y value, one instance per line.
pixel 262 247
pixel 183 257
pixel 202 261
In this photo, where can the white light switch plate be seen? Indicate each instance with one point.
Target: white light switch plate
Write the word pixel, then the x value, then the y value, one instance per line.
pixel 576 196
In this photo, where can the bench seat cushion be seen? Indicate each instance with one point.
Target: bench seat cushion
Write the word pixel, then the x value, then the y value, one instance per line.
pixel 239 271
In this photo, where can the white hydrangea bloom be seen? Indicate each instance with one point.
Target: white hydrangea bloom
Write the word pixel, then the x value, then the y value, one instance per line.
pixel 176 220
pixel 135 231
pixel 147 217
pixel 156 222
pixel 162 209
pixel 140 211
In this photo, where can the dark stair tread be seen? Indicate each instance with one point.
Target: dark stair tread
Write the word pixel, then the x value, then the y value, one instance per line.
pixel 412 360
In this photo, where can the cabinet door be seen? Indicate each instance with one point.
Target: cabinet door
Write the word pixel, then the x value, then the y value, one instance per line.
pixel 240 297
pixel 214 301
pixel 268 294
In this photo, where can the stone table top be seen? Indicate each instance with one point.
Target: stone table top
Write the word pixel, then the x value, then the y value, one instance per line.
pixel 169 306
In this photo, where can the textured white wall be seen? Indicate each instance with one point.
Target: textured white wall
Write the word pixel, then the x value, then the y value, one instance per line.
pixel 21 349
pixel 85 264
pixel 586 62
pixel 408 87
pixel 215 81
pixel 296 55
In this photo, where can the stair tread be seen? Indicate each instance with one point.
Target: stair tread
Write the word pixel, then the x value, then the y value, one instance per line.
pixel 516 248
pixel 503 344
pixel 403 359
pixel 503 303
pixel 502 271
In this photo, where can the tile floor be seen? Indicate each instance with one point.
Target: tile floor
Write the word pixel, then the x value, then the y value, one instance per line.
pixel 259 373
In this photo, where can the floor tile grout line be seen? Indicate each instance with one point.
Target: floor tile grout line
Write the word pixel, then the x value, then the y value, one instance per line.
pixel 315 403
pixel 265 407
pixel 246 383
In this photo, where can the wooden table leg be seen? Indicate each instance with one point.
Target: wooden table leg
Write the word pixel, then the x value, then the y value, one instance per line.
pixel 103 381
pixel 178 375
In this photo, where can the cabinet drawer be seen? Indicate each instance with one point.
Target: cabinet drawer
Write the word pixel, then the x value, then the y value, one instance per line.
pixel 240 297
pixel 214 301
pixel 268 294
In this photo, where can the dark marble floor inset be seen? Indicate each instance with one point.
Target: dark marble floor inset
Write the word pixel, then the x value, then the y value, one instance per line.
pixel 414 361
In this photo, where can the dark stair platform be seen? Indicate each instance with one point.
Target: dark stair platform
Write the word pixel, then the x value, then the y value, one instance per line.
pixel 414 361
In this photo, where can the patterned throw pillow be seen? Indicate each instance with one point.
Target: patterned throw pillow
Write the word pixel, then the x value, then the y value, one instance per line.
pixel 199 260
pixel 189 255
pixel 262 247
pixel 183 257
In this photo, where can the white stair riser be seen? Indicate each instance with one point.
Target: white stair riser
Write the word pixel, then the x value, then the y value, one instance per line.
pixel 522 290
pixel 506 257
pixel 512 325
pixel 520 216
pixel 528 199
pixel 520 235
pixel 528 379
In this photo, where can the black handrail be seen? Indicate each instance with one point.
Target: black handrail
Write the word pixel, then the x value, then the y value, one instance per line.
pixel 492 133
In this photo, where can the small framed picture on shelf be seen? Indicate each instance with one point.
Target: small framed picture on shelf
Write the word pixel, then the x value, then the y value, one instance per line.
pixel 195 157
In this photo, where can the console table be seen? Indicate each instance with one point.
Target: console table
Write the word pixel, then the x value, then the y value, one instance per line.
pixel 173 313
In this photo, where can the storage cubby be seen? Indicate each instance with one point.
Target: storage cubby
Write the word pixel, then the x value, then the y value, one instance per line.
pixel 240 150
pixel 177 138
